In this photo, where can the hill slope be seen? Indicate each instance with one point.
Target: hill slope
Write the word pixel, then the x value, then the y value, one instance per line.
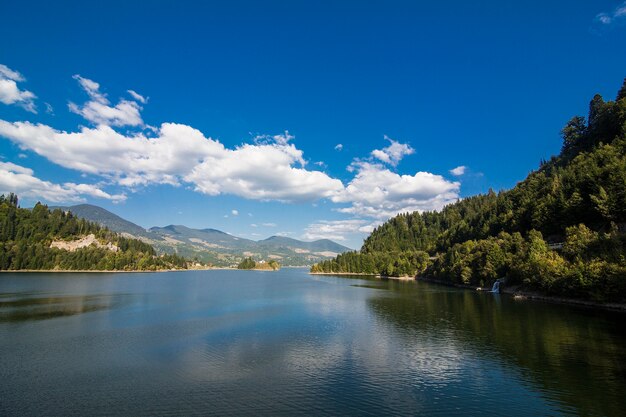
pixel 107 219
pixel 577 201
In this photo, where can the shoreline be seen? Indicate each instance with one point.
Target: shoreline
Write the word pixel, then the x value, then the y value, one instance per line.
pixel 402 278
pixel 95 271
pixel 116 271
pixel 515 292
pixel 519 294
pixel 255 269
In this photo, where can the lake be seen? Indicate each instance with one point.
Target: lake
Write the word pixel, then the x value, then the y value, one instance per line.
pixel 288 343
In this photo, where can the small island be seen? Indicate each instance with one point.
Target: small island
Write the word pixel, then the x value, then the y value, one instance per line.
pixel 251 264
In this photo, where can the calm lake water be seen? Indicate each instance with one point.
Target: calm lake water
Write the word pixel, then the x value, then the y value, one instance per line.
pixel 287 343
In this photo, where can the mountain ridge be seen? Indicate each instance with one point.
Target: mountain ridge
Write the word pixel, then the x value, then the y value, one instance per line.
pixel 210 244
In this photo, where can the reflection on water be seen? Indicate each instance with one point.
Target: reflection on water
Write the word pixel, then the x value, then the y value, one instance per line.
pixel 286 343
pixel 16 309
pixel 578 356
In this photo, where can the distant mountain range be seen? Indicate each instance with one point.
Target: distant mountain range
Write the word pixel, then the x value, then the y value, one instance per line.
pixel 211 245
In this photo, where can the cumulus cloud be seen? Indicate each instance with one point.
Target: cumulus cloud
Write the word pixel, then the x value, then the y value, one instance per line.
pixel 235 212
pixel 393 153
pixel 129 160
pixel 273 171
pixel 458 171
pixel 22 181
pixel 377 192
pixel 269 224
pixel 10 92
pixel 337 229
pixel 338 147
pixel 618 14
pixel 265 171
pixel 99 111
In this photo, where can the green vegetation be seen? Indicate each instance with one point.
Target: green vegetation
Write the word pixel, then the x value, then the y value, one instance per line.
pixel 26 237
pixel 578 198
pixel 392 263
pixel 249 263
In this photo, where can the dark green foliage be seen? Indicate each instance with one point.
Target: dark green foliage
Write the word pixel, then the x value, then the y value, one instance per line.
pixel 406 263
pixel 578 197
pixel 26 237
pixel 622 91
pixel 247 263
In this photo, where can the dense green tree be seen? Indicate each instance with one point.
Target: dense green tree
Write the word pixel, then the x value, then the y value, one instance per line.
pixel 247 263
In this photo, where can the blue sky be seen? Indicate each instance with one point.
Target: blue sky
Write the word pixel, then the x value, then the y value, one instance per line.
pixel 237 108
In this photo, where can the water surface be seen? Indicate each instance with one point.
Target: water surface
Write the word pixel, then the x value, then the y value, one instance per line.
pixel 286 343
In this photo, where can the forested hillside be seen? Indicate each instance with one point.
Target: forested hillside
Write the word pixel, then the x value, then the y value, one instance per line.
pixel 560 231
pixel 26 237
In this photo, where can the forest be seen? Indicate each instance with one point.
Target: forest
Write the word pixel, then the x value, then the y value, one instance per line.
pixel 561 231
pixel 26 236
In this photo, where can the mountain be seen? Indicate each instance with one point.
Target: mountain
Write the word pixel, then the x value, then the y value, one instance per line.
pixel 212 245
pixel 561 231
pixel 209 238
pixel 107 219
pixel 322 245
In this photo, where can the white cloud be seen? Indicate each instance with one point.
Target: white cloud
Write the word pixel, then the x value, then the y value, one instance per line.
pixel 338 147
pixel 235 212
pixel 262 172
pixel 269 224
pixel 22 181
pixel 137 96
pixel 283 138
pixel 254 225
pixel 376 192
pixel 337 229
pixel 8 73
pixel 98 110
pixel 458 171
pixel 131 161
pixel 617 14
pixel 179 153
pixel 10 92
pixel 393 153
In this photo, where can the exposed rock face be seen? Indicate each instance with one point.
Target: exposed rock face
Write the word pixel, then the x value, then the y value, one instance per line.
pixel 82 243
